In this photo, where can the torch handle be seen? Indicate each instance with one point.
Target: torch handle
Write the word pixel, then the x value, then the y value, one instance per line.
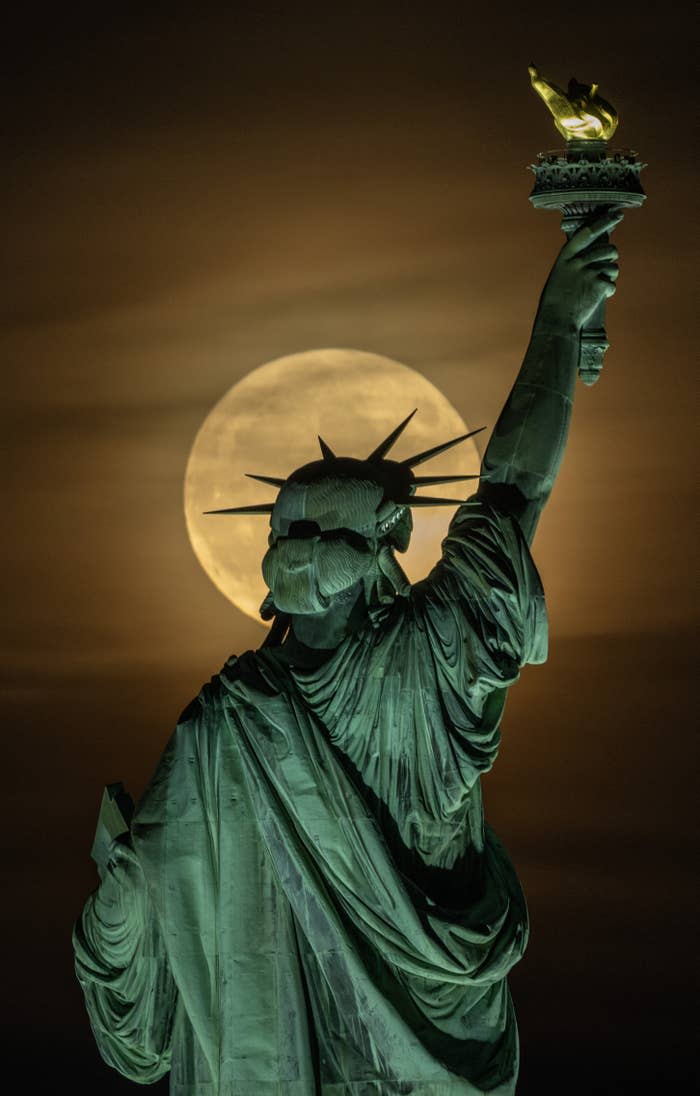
pixel 593 339
pixel 592 347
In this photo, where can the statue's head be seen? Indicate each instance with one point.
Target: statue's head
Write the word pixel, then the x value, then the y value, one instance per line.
pixel 336 524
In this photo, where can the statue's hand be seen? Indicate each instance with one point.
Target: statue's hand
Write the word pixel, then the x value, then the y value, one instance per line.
pixel 583 275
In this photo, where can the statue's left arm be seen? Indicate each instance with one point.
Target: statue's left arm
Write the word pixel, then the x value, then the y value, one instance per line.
pixel 526 448
pixel 123 969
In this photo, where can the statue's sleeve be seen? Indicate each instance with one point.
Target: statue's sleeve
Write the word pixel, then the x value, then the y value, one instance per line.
pixel 123 970
pixel 483 604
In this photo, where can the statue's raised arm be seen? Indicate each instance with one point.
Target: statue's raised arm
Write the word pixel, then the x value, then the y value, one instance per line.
pixel 526 448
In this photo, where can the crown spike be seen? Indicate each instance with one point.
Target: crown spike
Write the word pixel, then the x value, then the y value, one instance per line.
pixel 263 508
pixel 328 453
pixel 274 481
pixel 424 500
pixel 383 448
pixel 430 453
pixel 431 481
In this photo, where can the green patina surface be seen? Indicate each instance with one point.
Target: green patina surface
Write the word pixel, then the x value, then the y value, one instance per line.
pixel 309 902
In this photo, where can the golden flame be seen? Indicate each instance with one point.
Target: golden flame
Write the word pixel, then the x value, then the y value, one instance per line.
pixel 579 113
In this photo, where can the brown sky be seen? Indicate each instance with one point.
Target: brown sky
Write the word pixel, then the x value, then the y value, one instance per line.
pixel 187 198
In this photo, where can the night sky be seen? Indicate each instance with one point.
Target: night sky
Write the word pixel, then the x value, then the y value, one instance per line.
pixel 189 195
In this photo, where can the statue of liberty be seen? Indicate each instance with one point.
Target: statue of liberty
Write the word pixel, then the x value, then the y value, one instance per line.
pixel 309 901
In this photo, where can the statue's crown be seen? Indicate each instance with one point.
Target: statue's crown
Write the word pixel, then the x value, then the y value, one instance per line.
pixel 396 478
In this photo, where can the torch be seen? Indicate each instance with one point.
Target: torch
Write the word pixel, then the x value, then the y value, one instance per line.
pixel 583 180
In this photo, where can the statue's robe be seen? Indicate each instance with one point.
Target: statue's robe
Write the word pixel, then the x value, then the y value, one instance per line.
pixel 327 911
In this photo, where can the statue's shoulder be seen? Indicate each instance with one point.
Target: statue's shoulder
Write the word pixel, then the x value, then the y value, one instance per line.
pixel 186 770
pixel 241 680
pixel 200 720
pixel 209 697
pixel 250 672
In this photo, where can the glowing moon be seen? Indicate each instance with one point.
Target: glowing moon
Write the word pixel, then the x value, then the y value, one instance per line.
pixel 268 423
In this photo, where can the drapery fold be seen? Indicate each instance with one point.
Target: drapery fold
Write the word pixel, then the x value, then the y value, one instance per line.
pixel 129 991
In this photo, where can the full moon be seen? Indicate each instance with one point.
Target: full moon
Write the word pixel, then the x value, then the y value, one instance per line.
pixel 268 424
